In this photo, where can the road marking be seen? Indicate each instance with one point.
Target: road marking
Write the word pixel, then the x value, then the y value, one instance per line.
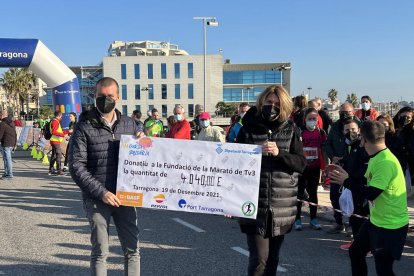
pixel 246 253
pixel 195 228
pixel 241 251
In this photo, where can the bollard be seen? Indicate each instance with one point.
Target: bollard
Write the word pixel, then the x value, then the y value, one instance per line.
pixel 34 152
pixel 45 160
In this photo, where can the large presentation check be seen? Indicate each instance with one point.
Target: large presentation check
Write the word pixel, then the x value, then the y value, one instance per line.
pixel 190 176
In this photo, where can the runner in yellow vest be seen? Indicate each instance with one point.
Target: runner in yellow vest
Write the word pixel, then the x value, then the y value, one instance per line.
pixel 154 126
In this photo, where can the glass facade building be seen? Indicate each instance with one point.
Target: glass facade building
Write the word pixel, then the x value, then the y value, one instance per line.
pixel 251 83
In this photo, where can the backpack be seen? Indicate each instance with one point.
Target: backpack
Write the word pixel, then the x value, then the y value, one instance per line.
pixel 47 133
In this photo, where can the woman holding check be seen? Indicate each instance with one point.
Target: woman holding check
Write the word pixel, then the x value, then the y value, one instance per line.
pixel 268 124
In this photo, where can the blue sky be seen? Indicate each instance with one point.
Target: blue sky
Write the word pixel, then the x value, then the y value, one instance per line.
pixel 359 46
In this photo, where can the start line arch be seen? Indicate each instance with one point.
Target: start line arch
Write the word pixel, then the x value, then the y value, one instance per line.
pixel 34 55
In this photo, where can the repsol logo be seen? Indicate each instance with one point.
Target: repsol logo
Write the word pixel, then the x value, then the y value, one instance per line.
pixel 11 55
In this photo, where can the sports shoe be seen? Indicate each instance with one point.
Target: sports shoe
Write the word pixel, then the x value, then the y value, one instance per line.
pixel 315 224
pixel 348 231
pixel 298 225
pixel 65 168
pixel 337 228
pixel 346 246
pixel 52 172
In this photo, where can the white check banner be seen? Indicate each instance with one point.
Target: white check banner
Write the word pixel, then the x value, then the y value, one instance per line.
pixel 189 176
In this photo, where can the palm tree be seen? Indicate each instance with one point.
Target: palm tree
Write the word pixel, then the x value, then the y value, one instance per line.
pixel 333 95
pixel 17 83
pixel 353 99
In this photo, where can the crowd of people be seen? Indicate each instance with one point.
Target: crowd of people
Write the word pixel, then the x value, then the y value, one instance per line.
pixel 368 153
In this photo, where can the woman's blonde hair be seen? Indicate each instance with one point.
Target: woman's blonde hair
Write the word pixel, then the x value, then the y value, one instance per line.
pixel 388 118
pixel 286 104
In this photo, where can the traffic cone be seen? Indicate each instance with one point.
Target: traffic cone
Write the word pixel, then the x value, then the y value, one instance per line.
pixel 45 160
pixel 39 155
pixel 34 152
pixel 25 146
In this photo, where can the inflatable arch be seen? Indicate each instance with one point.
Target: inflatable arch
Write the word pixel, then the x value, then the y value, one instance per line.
pixel 34 55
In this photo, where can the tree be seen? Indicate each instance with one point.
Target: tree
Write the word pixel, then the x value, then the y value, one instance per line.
pixel 333 95
pixel 45 112
pixel 17 83
pixel 225 109
pixel 353 99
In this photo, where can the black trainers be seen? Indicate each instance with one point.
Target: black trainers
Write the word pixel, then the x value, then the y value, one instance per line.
pixel 337 228
pixel 52 172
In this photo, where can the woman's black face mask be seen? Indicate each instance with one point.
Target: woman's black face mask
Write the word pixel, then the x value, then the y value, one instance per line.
pixel 270 112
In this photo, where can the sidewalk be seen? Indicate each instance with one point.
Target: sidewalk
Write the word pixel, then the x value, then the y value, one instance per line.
pixel 325 213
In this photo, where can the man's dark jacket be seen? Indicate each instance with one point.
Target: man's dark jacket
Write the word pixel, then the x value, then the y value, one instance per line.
pixel 278 175
pixel 94 149
pixel 8 136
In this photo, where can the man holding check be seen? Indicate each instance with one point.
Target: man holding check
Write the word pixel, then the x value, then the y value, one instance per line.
pixel 385 232
pixel 93 165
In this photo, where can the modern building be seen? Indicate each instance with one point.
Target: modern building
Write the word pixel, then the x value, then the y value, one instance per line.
pixel 243 82
pixel 155 74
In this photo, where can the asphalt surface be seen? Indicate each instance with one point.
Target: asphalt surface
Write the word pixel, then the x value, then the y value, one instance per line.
pixel 43 231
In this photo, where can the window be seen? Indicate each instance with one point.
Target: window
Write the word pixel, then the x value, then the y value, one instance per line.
pixel 163 91
pixel 233 94
pixel 163 71
pixel 150 91
pixel 190 70
pixel 191 110
pixel 191 91
pixel 138 107
pixel 151 107
pixel 164 111
pixel 124 92
pixel 250 76
pixel 136 71
pixel 137 92
pixel 125 110
pixel 150 71
pixel 123 71
pixel 177 91
pixel 177 70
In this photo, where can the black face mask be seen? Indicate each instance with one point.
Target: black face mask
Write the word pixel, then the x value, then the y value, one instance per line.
pixel 402 121
pixel 344 116
pixel 270 112
pixel 105 104
pixel 351 137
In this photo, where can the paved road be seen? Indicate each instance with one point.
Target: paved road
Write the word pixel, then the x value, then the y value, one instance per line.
pixel 43 232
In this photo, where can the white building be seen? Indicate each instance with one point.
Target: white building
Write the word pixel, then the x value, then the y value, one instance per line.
pixel 155 74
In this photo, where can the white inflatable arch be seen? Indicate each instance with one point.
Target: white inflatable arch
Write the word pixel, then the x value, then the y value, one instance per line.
pixel 34 55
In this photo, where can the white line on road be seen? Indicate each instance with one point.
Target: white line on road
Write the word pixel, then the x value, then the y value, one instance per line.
pixel 241 251
pixel 246 253
pixel 195 228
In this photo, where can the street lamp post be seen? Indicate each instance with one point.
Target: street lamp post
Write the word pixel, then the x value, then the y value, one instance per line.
pixel 248 93
pixel 309 93
pixel 281 68
pixel 146 89
pixel 211 21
